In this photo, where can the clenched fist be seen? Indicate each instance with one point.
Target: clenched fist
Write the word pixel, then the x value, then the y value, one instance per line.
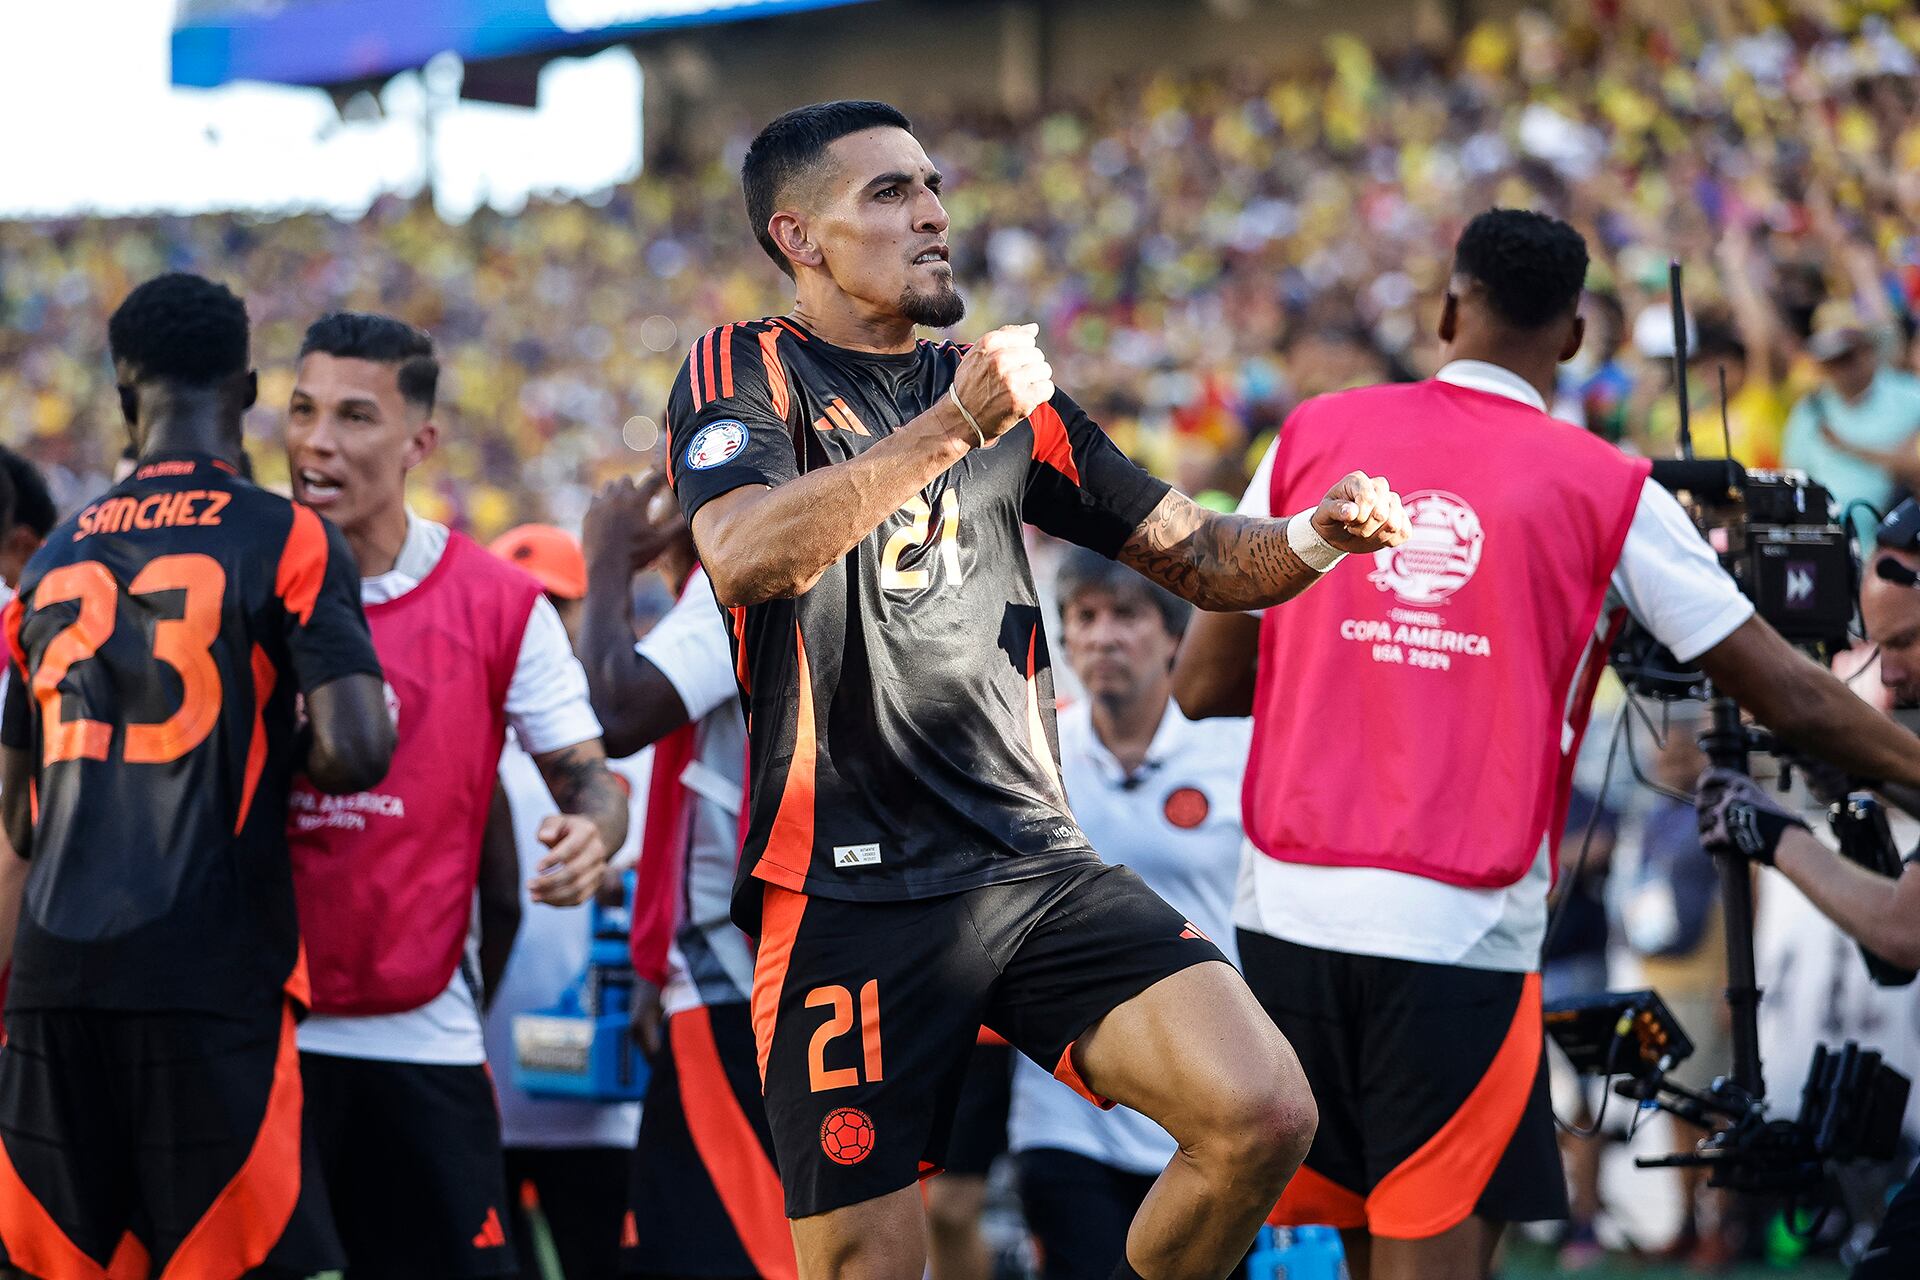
pixel 1361 514
pixel 1003 379
pixel 570 872
pixel 637 524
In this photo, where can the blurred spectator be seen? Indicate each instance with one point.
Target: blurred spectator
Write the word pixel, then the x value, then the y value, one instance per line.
pixel 1605 392
pixel 1756 406
pixel 1859 433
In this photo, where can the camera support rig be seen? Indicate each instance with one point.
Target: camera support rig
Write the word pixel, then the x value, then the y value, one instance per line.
pixel 1775 536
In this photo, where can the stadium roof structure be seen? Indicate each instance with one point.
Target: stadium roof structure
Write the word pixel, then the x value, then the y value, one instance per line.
pixel 333 43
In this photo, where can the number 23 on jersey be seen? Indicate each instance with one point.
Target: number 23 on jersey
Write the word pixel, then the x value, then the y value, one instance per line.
pixel 184 644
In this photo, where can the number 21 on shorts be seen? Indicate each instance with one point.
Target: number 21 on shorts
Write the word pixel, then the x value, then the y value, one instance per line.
pixel 839 1022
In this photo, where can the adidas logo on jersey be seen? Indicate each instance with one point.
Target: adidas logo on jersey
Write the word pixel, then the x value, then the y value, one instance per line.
pixel 856 855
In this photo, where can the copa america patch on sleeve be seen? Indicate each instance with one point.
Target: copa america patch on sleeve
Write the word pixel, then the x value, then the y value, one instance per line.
pixel 715 443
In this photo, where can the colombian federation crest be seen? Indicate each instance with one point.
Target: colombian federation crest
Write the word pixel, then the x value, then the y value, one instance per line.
pixel 715 443
pixel 1439 558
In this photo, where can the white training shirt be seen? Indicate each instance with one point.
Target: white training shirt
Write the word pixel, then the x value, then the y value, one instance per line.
pixel 547 708
pixel 1669 579
pixel 689 646
pixel 1176 822
pixel 549 954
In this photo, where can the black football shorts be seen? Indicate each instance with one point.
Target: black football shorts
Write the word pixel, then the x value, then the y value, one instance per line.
pixel 865 1013
pixel 1432 1086
pixel 143 1143
pixel 703 1199
pixel 411 1155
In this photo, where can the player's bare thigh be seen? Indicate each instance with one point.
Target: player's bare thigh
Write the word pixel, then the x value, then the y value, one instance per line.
pixel 880 1239
pixel 1197 1053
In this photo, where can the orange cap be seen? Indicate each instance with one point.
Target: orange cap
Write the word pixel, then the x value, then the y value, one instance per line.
pixel 551 555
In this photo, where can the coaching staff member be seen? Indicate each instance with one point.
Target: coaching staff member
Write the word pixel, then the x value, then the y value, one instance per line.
pixel 910 864
pixel 1392 912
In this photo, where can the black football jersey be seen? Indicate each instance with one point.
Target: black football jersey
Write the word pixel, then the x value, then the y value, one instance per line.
pixel 157 644
pixel 900 712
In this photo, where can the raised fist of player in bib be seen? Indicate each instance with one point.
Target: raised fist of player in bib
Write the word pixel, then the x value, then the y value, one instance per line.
pixel 1361 514
pixel 1003 378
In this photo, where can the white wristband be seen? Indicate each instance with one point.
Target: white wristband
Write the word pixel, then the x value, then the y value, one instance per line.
pixel 1319 554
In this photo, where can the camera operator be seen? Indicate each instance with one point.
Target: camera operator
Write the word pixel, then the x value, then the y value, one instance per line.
pixel 1739 816
pixel 1414 734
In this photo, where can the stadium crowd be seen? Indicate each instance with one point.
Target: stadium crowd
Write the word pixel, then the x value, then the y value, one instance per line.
pixel 1201 252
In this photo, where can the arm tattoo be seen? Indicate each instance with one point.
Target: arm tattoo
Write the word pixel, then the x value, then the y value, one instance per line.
pixel 1218 562
pixel 581 783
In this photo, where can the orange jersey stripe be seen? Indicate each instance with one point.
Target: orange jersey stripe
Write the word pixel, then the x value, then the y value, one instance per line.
pixel 780 913
pixel 1435 1189
pixel 303 564
pixel 247 1218
pixel 776 372
pixel 848 419
pixel 263 675
pixel 790 327
pixel 1050 443
pixel 789 848
pixel 706 363
pixel 10 620
pixel 738 616
pixel 730 1148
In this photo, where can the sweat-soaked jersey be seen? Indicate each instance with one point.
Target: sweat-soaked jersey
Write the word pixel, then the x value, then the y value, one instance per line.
pixel 157 643
pixel 899 712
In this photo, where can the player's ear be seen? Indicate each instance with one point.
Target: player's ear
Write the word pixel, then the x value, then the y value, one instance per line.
pixel 789 231
pixel 250 389
pixel 1449 317
pixel 424 439
pixel 129 406
pixel 1576 335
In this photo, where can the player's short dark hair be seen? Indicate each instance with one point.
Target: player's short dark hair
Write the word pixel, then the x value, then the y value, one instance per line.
pixel 362 335
pixel 1532 266
pixel 791 146
pixel 32 500
pixel 1084 570
pixel 181 328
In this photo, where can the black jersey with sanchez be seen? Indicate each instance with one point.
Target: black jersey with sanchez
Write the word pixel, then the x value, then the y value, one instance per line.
pixel 157 643
pixel 900 712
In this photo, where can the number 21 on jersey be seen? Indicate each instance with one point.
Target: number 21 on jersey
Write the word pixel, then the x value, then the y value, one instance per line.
pixel 184 643
pixel 919 525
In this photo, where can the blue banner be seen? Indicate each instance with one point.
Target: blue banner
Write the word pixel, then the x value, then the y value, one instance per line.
pixel 322 42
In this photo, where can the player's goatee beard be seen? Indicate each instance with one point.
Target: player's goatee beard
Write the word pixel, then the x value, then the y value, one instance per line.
pixel 937 310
